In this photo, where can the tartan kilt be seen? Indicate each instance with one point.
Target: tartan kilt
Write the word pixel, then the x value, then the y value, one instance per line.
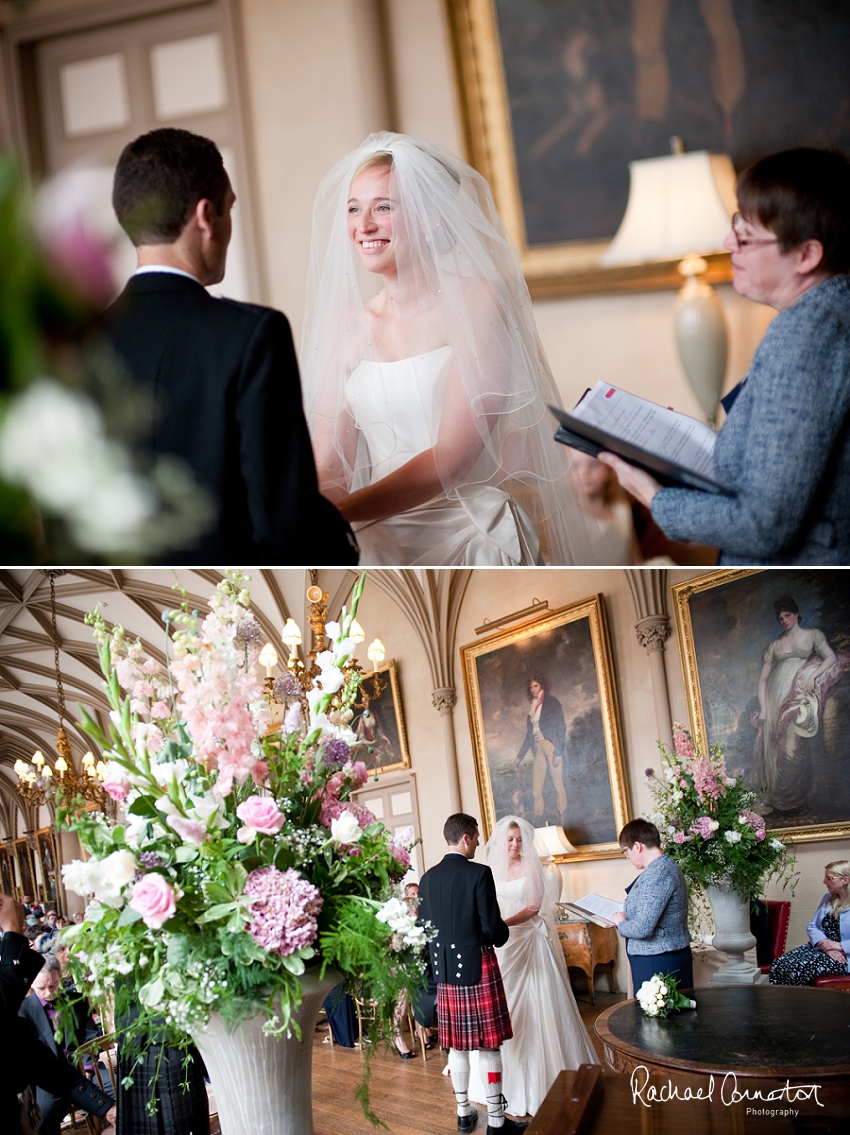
pixel 178 1112
pixel 475 1016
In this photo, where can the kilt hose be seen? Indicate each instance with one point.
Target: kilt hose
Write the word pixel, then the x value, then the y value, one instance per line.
pixel 475 1016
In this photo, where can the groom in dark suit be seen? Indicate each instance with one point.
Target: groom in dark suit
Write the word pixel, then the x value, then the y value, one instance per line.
pixel 458 897
pixel 222 375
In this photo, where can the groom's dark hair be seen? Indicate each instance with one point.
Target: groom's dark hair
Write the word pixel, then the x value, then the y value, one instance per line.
pixel 457 826
pixel 160 178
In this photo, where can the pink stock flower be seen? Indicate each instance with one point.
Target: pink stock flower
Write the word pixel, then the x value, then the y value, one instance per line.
pixel 705 781
pixel 154 739
pixel 260 773
pixel 284 910
pixel 154 899
pixel 160 710
pixel 682 743
pixel 262 814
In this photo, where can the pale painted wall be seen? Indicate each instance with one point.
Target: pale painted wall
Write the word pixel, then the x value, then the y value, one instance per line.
pixel 493 593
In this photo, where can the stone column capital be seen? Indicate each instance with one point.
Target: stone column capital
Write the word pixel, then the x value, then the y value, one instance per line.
pixel 444 699
pixel 652 632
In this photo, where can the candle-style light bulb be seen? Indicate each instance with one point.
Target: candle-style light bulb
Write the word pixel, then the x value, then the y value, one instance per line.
pixel 268 658
pixel 376 652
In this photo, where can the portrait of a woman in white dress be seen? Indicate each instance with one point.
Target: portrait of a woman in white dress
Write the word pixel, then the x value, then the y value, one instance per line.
pixel 425 385
pixel 799 668
pixel 549 1034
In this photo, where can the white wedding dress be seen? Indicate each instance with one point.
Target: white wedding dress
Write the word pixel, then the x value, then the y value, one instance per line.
pixel 549 1034
pixel 397 408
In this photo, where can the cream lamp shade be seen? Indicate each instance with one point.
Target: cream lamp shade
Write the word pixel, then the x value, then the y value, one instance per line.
pixel 549 841
pixel 680 207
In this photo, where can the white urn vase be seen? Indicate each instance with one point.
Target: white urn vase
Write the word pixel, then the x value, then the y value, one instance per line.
pixel 733 937
pixel 264 1086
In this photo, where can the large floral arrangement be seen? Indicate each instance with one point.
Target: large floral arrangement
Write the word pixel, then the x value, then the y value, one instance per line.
pixel 239 857
pixel 707 822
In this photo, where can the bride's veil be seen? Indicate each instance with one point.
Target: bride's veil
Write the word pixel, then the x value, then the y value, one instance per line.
pixel 534 893
pixel 454 255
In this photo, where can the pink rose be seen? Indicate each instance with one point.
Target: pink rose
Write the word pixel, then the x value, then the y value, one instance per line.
pixel 261 813
pixel 154 899
pixel 116 782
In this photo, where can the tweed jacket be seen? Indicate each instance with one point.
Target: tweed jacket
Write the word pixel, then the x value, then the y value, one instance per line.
pixel 815 927
pixel 785 447
pixel 656 910
pixel 552 726
pixel 459 898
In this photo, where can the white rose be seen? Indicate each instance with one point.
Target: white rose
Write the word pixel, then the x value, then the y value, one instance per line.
pixel 732 837
pixel 114 873
pixel 345 829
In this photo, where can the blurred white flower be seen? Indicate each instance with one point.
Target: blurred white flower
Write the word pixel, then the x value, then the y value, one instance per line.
pixel 345 828
pixel 52 443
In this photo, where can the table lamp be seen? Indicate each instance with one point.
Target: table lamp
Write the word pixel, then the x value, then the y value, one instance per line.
pixel 549 841
pixel 681 206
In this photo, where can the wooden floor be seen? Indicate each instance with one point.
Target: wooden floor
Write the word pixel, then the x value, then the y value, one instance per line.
pixel 412 1098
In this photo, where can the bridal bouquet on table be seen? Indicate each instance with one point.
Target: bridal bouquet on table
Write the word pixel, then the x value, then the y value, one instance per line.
pixel 660 996
pixel 707 823
pixel 239 858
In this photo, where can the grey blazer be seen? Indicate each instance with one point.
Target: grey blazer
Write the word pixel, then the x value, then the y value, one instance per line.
pixel 785 447
pixel 656 910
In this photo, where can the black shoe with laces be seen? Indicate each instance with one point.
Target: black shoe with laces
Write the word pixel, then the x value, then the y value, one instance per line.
pixel 467 1122
pixel 510 1127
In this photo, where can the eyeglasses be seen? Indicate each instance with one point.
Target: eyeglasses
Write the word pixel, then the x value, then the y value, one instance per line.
pixel 744 242
pixel 835 878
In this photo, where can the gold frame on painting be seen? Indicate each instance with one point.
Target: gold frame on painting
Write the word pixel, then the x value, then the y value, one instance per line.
pixel 388 684
pixel 682 595
pixel 570 268
pixel 591 609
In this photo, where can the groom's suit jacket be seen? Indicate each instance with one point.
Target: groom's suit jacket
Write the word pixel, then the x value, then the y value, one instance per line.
pixel 459 898
pixel 224 381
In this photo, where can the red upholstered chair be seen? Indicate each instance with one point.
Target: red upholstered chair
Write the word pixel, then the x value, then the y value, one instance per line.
pixel 834 981
pixel 779 915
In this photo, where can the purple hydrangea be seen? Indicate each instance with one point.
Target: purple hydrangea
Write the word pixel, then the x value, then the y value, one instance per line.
pixel 284 910
pixel 335 753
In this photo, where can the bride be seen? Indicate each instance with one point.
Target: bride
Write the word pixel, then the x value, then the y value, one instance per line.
pixel 548 1031
pixel 425 384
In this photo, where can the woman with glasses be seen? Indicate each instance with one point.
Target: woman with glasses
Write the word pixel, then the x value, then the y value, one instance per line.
pixel 828 947
pixel 654 920
pixel 785 447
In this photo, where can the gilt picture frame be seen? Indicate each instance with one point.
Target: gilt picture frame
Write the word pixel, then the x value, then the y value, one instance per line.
pixel 746 686
pixel 379 721
pixel 558 96
pixel 568 652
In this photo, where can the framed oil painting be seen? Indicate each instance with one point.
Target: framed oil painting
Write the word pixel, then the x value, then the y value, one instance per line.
pixel 545 726
pixel 7 874
pixel 379 721
pixel 26 869
pixel 558 96
pixel 766 661
pixel 47 861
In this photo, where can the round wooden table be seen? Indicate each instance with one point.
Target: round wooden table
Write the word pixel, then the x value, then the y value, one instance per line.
pixel 799 1034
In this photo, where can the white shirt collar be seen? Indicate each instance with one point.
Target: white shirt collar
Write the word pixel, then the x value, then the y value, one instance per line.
pixel 165 268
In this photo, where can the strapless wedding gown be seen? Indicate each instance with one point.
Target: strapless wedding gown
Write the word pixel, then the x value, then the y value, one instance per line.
pixel 397 408
pixel 549 1034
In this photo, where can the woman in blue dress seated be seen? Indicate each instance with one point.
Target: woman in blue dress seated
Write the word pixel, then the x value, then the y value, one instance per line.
pixel 828 947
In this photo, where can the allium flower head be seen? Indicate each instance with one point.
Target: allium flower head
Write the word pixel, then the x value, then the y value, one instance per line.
pixel 335 753
pixel 286 686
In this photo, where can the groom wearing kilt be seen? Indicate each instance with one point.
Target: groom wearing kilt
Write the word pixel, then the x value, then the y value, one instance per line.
pixel 459 898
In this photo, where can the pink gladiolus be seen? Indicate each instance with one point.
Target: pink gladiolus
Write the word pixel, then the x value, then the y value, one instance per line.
pixel 262 814
pixel 160 710
pixel 116 782
pixel 154 899
pixel 682 743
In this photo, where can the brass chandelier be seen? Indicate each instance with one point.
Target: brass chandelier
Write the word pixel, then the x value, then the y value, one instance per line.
pixel 38 782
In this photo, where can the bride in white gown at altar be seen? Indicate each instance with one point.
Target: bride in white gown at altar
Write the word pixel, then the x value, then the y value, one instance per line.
pixel 425 384
pixel 549 1034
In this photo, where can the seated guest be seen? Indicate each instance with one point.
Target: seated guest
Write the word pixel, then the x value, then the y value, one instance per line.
pixel 828 947
pixel 785 447
pixel 655 919
pixel 39 1011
